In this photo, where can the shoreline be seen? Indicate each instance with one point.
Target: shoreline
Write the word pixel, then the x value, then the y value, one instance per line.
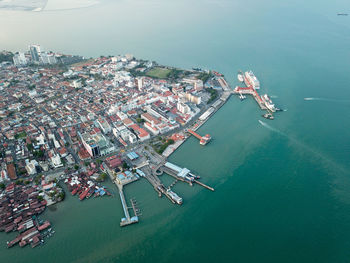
pixel 216 105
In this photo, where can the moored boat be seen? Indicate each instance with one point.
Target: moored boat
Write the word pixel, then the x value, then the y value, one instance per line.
pixel 268 116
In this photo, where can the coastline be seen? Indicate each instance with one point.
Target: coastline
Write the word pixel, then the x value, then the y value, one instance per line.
pixel 216 105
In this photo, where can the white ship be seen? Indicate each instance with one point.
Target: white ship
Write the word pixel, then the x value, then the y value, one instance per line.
pixel 268 103
pixel 240 76
pixel 250 80
pixel 174 196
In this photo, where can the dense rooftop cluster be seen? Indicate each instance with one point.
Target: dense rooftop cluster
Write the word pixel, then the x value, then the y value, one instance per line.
pixel 53 117
pixel 82 121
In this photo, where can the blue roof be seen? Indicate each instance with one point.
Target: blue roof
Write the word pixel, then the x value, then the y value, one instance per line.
pixel 132 155
pixel 128 173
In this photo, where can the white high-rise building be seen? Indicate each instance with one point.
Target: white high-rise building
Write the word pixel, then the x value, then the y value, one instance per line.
pixel 35 52
pixel 52 59
pixel 44 58
pixel 140 83
pixel 183 108
pixel 48 58
pixel 19 59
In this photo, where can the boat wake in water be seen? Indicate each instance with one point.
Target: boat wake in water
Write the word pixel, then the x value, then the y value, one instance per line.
pixel 271 128
pixel 309 149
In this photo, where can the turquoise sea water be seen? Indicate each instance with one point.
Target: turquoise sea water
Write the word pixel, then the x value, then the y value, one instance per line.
pixel 282 189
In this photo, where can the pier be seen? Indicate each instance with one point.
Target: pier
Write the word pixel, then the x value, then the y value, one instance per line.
pixel 204 185
pixel 203 140
pixel 183 174
pixel 127 220
pixel 135 208
pixel 120 182
pixel 251 91
pixel 264 101
pixel 174 174
pixel 158 186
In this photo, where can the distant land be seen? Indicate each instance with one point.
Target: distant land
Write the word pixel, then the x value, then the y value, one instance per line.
pixel 45 5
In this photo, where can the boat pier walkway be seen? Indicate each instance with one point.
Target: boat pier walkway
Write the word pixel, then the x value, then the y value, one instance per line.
pixel 127 220
pixel 153 179
pixel 204 185
pixel 203 140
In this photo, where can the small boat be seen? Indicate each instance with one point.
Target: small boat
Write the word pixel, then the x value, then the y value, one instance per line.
pixel 342 14
pixel 268 116
pixel 241 96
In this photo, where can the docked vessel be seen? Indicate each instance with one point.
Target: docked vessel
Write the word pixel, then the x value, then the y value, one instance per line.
pixel 268 116
pixel 174 196
pixel 251 80
pixel 240 76
pixel 264 101
pixel 241 96
pixel 268 103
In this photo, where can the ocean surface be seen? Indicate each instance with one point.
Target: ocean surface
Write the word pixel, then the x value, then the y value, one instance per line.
pixel 282 187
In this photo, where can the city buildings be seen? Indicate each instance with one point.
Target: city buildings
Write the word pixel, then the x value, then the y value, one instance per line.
pixel 53 118
pixel 19 59
pixel 35 52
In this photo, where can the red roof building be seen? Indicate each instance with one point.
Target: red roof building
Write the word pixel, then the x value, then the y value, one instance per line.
pixel 11 171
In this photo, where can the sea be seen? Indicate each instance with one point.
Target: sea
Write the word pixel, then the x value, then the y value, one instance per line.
pixel 282 187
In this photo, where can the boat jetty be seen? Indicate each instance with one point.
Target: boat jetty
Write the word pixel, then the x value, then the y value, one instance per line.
pixel 203 140
pixel 252 85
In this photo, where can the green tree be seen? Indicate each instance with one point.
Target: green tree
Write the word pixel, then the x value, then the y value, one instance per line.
pixel 139 120
pixel 30 147
pixel 125 165
pixel 19 181
pixel 39 153
pixel 37 179
pixel 61 195
pixel 102 177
